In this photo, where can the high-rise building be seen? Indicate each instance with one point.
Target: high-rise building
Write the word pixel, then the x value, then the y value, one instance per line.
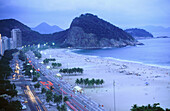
pixel 5 43
pixel 10 43
pixel 16 37
pixel 1 45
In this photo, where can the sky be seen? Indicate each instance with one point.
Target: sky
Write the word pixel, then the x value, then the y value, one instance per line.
pixel 122 13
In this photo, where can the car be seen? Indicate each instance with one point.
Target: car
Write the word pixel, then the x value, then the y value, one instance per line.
pixel 25 101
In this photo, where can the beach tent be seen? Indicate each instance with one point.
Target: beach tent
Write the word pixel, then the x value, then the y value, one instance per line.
pixel 78 89
pixel 58 75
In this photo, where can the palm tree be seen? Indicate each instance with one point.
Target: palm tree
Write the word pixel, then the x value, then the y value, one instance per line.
pixel 37 85
pixel 49 96
pixel 86 81
pixel 101 81
pixel 93 82
pixel 58 107
pixel 81 70
pixel 43 90
pixel 57 99
pixel 81 80
pixel 89 82
pixel 63 107
pixel 65 98
pixel 77 81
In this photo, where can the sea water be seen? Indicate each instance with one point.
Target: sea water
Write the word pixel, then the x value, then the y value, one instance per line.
pixel 153 52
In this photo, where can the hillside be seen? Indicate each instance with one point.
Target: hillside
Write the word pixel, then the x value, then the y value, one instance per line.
pixel 45 28
pixel 89 31
pixel 86 31
pixel 28 36
pixel 135 32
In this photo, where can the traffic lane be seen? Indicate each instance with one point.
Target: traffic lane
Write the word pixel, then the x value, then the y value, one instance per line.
pixel 38 101
pixel 66 91
pixel 90 103
pixel 31 105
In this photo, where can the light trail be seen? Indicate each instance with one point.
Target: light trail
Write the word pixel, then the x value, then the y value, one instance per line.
pixel 30 94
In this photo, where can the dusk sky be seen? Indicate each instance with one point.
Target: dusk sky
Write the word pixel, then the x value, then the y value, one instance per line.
pixel 123 13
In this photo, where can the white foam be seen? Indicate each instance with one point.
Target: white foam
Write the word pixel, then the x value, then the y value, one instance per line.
pixel 130 61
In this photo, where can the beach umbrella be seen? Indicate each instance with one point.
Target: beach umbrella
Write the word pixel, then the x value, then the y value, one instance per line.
pixel 146 83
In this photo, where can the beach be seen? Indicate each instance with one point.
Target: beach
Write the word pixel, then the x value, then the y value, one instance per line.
pixel 135 83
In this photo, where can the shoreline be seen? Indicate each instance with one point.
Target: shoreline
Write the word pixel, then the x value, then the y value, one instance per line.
pixel 116 59
pixel 130 80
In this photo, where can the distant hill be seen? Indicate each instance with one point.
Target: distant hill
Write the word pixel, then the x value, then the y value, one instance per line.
pixel 157 30
pixel 45 28
pixel 138 33
pixel 86 31
pixel 28 36
pixel 89 31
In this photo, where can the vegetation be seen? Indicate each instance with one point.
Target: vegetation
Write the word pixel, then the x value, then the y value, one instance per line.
pixel 6 88
pixel 56 65
pixel 154 107
pixel 6 105
pixel 37 85
pixel 22 56
pixel 43 90
pixel 65 98
pixel 71 71
pixel 37 54
pixel 34 79
pixel 49 96
pixel 135 32
pixel 27 68
pixel 62 108
pixel 88 82
pixel 46 61
pixel 57 99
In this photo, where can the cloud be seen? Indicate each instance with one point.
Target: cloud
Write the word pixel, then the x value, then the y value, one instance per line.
pixel 121 12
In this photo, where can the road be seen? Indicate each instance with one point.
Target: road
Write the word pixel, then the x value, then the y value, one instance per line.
pixel 78 101
pixel 34 102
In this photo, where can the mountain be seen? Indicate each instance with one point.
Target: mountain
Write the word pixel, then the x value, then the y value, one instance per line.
pixel 86 31
pixel 139 33
pixel 44 28
pixel 157 30
pixel 89 31
pixel 28 36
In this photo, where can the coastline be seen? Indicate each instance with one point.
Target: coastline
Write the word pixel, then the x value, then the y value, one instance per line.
pixel 130 80
pixel 116 59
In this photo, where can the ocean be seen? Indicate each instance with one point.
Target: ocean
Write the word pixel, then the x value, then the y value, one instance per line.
pixel 154 52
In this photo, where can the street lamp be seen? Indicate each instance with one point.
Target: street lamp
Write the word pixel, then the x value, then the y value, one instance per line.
pixel 38 46
pixel 31 71
pixel 114 95
pixel 53 43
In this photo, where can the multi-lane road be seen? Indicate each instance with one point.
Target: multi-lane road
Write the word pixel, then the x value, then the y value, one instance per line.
pixel 77 101
pixel 34 102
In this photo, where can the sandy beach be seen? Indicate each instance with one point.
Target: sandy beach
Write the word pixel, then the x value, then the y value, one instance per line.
pixel 130 80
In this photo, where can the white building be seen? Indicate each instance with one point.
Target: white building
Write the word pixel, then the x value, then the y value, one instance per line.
pixel 5 43
pixel 1 50
pixel 16 37
pixel 10 43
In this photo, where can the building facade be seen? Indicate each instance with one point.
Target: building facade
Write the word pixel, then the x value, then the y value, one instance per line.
pixel 5 43
pixel 1 51
pixel 11 43
pixel 16 37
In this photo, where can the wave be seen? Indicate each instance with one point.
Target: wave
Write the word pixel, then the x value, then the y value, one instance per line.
pixel 74 51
